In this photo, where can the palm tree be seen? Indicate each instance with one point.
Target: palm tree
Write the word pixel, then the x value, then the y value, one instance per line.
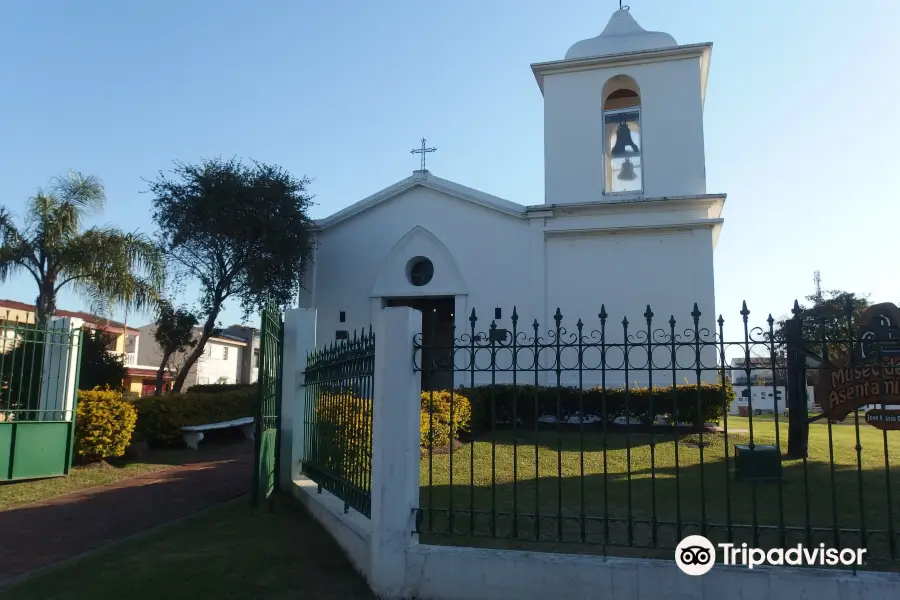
pixel 105 265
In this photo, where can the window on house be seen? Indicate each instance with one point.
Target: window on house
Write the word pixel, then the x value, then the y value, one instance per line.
pixel 622 143
pixel 110 339
pixel 225 353
pixel 256 358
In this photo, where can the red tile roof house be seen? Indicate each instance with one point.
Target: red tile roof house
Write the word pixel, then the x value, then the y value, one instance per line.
pixel 140 379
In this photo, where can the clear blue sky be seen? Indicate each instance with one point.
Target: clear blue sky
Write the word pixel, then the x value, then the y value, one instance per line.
pixel 801 116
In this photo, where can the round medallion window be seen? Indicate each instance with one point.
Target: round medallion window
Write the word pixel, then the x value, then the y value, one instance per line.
pixel 419 271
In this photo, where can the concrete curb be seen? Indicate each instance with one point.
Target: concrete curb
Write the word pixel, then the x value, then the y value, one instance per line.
pixel 24 577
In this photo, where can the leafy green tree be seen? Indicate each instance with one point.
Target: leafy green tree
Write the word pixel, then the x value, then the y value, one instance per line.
pixel 105 265
pixel 99 367
pixel 829 319
pixel 831 316
pixel 823 314
pixel 174 334
pixel 240 230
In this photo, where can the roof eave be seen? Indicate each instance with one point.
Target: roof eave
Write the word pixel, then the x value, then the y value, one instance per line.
pixel 717 200
pixel 702 51
pixel 426 180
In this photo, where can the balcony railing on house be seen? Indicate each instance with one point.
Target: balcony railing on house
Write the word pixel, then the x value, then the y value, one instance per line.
pixel 128 358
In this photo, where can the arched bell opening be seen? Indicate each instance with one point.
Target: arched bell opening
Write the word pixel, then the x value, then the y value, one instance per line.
pixel 622 143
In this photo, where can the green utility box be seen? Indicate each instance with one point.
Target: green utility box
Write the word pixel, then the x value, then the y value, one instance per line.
pixel 762 462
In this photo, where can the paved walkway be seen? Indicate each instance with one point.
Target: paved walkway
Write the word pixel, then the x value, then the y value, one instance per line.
pixel 39 534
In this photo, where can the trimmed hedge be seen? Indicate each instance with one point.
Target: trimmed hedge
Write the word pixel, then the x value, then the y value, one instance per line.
pixel 160 418
pixel 608 405
pixel 218 388
pixel 104 424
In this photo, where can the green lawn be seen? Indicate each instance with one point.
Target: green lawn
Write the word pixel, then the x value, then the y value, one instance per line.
pixel 649 491
pixel 223 554
pixel 17 493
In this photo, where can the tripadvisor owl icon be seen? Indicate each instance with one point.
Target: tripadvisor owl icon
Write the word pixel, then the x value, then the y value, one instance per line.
pixel 695 555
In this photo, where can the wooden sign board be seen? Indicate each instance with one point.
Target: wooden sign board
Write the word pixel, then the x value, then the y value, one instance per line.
pixel 869 373
pixel 884 419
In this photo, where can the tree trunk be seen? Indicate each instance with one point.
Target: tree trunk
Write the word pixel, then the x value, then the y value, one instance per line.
pixel 798 418
pixel 160 374
pixel 208 327
pixel 45 304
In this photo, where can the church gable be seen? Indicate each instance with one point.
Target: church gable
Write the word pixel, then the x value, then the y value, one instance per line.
pixel 418 264
pixel 424 179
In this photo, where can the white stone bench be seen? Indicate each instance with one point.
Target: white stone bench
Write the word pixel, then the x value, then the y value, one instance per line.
pixel 193 434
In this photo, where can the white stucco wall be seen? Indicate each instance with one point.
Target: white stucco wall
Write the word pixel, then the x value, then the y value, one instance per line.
pixel 212 366
pixel 623 256
pixel 669 270
pixel 490 251
pixel 671 131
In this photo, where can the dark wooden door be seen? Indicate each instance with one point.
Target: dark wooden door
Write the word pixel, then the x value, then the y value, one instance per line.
pixel 437 339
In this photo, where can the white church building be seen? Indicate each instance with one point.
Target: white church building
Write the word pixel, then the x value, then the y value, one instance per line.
pixel 626 221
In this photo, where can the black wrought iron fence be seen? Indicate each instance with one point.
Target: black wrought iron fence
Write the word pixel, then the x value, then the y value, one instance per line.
pixel 339 382
pixel 627 437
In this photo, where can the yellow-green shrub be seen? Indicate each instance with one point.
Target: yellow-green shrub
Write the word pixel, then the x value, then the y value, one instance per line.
pixel 342 436
pixel 344 422
pixel 103 425
pixel 435 418
pixel 160 418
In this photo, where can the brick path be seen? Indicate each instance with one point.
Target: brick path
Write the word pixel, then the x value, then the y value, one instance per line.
pixel 39 534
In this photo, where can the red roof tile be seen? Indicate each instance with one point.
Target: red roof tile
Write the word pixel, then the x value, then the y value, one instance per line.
pixel 91 319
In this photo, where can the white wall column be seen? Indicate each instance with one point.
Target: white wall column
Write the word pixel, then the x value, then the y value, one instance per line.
pixel 395 448
pixel 299 340
pixel 376 303
pixel 59 370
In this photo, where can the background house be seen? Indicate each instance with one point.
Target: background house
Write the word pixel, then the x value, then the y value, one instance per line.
pixel 220 363
pixel 765 386
pixel 760 372
pixel 250 357
pixel 124 341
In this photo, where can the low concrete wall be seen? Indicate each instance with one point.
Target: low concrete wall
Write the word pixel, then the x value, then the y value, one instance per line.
pixel 352 531
pixel 455 573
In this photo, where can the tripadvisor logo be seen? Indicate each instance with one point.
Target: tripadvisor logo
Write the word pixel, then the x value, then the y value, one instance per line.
pixel 696 555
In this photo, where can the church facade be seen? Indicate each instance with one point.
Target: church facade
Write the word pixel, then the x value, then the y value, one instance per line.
pixel 627 220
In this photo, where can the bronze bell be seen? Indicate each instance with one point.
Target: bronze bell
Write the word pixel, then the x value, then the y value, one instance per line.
pixel 624 141
pixel 627 172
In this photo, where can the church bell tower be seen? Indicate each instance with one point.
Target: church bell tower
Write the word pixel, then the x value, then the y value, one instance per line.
pixel 623 117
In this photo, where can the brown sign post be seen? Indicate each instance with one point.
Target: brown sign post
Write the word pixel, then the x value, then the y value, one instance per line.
pixel 869 373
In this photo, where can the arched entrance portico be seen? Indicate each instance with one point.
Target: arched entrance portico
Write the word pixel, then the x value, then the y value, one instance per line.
pixel 420 272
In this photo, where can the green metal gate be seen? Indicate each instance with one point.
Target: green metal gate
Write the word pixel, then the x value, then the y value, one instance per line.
pixel 38 398
pixel 265 472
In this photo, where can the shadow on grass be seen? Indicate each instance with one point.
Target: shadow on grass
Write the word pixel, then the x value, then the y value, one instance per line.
pixel 230 552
